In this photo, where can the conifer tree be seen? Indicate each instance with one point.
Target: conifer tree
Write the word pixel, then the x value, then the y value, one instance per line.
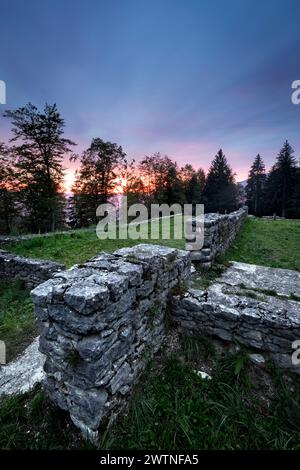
pixel 256 186
pixel 220 192
pixel 282 182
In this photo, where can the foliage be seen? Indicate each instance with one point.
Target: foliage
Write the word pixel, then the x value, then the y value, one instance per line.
pixel 255 189
pixel 8 199
pixel 95 180
pixel 281 184
pixel 220 192
pixel 38 150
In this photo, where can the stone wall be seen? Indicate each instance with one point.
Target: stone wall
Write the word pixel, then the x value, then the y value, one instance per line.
pixel 256 306
pixel 219 232
pixel 31 272
pixel 100 323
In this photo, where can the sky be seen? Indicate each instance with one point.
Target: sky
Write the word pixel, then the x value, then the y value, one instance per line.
pixel 180 77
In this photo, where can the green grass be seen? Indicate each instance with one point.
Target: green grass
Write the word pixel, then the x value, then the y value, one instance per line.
pixel 30 421
pixel 268 243
pixel 260 241
pixel 173 408
pixel 17 321
pixel 79 246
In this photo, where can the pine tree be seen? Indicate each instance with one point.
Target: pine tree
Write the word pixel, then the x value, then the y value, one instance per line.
pixel 256 186
pixel 282 181
pixel 220 193
pixel 294 210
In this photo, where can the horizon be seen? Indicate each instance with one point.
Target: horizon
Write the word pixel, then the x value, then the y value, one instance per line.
pixel 182 79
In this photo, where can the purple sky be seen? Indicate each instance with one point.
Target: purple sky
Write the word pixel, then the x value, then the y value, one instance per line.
pixel 182 77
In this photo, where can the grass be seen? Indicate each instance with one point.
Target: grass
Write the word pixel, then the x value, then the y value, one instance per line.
pixel 173 408
pixel 79 246
pixel 260 241
pixel 268 243
pixel 17 321
pixel 203 277
pixel 30 421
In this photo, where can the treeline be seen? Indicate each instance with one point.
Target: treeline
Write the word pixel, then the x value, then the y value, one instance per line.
pixel 277 192
pixel 32 194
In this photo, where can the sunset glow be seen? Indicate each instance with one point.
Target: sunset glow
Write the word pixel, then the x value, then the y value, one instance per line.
pixel 69 180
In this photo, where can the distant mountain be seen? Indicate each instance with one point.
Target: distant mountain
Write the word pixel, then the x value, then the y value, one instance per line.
pixel 243 183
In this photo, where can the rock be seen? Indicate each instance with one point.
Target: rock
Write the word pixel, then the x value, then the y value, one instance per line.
pixel 31 272
pixel 257 359
pixel 203 375
pixel 87 298
pixel 24 373
pixel 219 231
pixel 101 322
pixel 247 304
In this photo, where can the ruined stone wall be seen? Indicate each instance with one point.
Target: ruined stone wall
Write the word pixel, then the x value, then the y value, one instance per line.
pixel 256 306
pixel 31 272
pixel 100 323
pixel 219 232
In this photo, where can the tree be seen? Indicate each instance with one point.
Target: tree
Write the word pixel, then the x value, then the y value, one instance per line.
pixel 220 193
pixel 39 150
pixel 8 200
pixel 132 184
pixel 162 184
pixel 193 183
pixel 256 186
pixel 294 210
pixel 96 179
pixel 282 181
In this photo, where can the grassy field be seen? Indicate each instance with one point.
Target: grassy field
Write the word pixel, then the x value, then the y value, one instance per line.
pixel 269 243
pixel 260 241
pixel 81 245
pixel 17 321
pixel 241 407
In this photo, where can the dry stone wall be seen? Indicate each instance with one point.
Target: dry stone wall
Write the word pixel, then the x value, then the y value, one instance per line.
pixel 31 272
pixel 100 323
pixel 256 306
pixel 219 232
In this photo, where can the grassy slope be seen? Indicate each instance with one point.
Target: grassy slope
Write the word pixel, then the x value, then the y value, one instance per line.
pixel 269 243
pixel 260 241
pixel 17 322
pixel 80 246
